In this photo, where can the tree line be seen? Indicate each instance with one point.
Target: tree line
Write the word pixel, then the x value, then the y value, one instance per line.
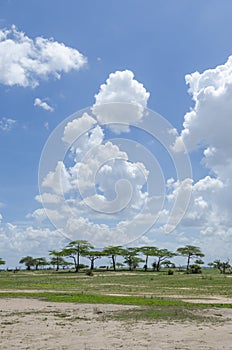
pixel 132 256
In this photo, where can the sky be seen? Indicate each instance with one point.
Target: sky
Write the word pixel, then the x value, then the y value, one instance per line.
pixel 115 125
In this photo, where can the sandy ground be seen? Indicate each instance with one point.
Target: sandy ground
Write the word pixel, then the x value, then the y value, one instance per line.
pixel 38 325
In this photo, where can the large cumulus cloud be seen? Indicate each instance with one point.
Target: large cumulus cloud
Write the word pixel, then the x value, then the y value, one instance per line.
pixel 120 88
pixel 95 191
pixel 207 129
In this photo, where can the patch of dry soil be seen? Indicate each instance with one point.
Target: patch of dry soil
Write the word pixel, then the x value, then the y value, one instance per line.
pixel 28 324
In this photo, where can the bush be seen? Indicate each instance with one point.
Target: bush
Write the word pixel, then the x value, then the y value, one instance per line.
pixel 89 273
pixel 170 272
pixel 195 269
pixel 82 266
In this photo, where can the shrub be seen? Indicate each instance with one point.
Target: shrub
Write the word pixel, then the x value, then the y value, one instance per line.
pixel 195 268
pixel 82 266
pixel 89 273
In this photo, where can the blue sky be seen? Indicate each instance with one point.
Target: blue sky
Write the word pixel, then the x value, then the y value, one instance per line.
pixel 160 42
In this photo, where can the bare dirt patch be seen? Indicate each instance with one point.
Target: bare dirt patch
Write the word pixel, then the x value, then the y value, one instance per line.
pixel 34 324
pixel 208 300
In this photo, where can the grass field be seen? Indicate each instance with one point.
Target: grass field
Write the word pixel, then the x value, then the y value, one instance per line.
pixel 158 294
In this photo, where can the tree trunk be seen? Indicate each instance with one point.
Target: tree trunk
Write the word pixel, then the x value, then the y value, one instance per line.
pixel 75 263
pixel 114 262
pixel 146 262
pixel 92 264
pixel 78 260
pixel 188 262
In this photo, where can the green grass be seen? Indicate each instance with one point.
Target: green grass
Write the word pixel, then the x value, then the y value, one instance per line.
pixel 105 299
pixel 157 295
pixel 210 283
pixel 168 313
pixel 146 309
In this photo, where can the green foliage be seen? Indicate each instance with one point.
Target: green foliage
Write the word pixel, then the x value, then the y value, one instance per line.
pixel 148 251
pixel 163 255
pixel 28 261
pixel 92 256
pixel 194 268
pixel 75 250
pixel 199 262
pixel 2 262
pixel 40 262
pixel 83 266
pixel 190 251
pixel 112 252
pixel 131 258
pixel 168 264
pixel 57 259
pixel 222 266
pixel 89 273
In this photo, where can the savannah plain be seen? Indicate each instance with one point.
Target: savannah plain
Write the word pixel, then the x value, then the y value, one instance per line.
pixel 59 310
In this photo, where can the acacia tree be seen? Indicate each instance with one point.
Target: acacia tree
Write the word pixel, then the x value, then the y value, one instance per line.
pixel 131 258
pixel 75 250
pixel 112 252
pixel 40 262
pixel 220 265
pixel 168 264
pixel 162 255
pixel 190 251
pixel 92 256
pixel 28 261
pixel 148 251
pixel 57 259
pixel 2 262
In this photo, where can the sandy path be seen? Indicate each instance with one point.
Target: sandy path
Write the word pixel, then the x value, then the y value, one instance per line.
pixel 38 325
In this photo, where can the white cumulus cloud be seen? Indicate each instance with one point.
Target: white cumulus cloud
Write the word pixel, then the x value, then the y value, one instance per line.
pixel 120 89
pixel 98 179
pixel 208 125
pixel 58 181
pixel 207 128
pixel 42 104
pixel 24 61
pixel 77 127
pixel 16 241
pixel 6 124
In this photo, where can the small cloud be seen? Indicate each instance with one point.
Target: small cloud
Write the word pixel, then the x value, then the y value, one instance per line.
pixel 173 132
pixel 6 124
pixel 42 104
pixel 25 61
pixel 46 125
